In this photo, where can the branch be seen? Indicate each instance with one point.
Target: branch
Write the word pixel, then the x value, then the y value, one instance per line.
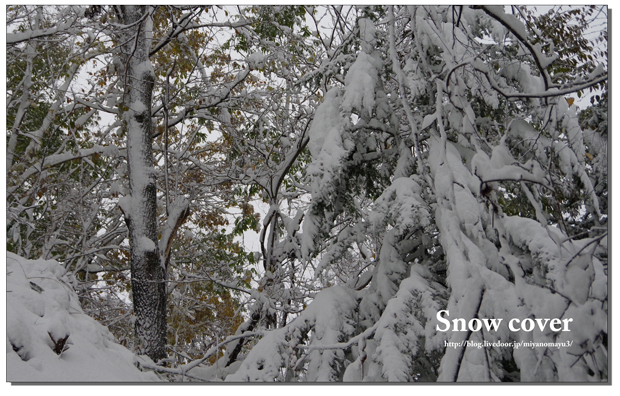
pixel 595 240
pixel 548 93
pixel 104 269
pixel 342 345
pixel 57 159
pixel 517 179
pixel 177 28
pixel 178 215
pixel 96 106
pixel 212 351
pixel 224 97
pixel 401 88
pixel 15 38
pixel 209 279
pixel 279 176
pixel 509 22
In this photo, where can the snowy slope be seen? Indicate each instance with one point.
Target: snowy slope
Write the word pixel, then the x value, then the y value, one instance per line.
pixel 42 307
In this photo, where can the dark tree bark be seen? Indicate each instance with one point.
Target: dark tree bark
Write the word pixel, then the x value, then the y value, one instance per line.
pixel 147 271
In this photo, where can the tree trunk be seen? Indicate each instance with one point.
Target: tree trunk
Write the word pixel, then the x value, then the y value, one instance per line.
pixel 147 272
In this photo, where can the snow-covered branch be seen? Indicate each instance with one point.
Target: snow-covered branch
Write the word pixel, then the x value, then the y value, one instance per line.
pixel 550 93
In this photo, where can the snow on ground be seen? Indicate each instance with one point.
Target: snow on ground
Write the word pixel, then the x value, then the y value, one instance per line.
pixel 42 311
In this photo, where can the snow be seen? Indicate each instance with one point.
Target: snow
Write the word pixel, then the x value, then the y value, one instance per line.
pixel 522 73
pixel 550 272
pixel 138 107
pixel 146 244
pixel 367 34
pixel 401 205
pixel 331 154
pixel 105 150
pixel 176 210
pixel 12 38
pixel 255 60
pixel 400 328
pixel 573 276
pixel 83 119
pixel 42 309
pixel 415 78
pixel 327 118
pixel 354 371
pixel 116 187
pixel 545 61
pixel 500 167
pixel 391 270
pixel 510 20
pixel 125 203
pixel 598 71
pixel 329 316
pixel 428 120
pixel 328 149
pixel 360 84
pixel 144 67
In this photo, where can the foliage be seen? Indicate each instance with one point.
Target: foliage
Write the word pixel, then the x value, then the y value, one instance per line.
pixel 391 161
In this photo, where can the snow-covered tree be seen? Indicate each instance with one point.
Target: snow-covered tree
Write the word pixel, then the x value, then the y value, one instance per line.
pixel 448 150
pixel 71 179
pixel 410 160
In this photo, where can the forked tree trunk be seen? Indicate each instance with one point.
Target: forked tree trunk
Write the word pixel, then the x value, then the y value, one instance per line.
pixel 147 272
